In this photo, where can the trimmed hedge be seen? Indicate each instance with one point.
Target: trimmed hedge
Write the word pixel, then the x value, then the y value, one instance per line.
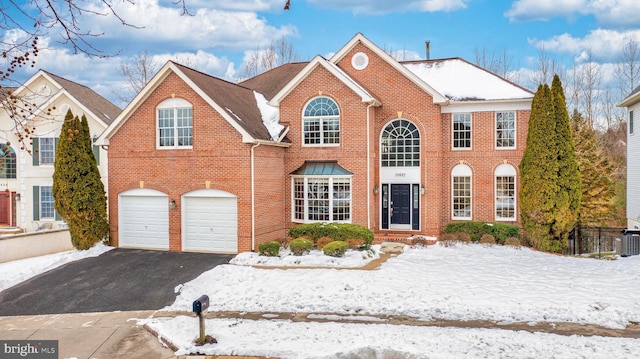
pixel 269 249
pixel 476 230
pixel 337 231
pixel 335 248
pixel 300 246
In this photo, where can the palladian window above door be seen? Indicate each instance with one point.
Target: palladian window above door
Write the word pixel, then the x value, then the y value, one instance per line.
pixel 400 144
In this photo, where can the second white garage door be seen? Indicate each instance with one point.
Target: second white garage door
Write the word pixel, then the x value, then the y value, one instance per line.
pixel 210 221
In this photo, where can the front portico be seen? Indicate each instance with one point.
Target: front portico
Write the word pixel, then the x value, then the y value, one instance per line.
pixel 400 176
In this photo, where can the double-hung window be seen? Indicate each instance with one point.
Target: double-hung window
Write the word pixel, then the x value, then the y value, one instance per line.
pixel 461 192
pixel 506 130
pixel 175 124
pixel 505 193
pixel 461 131
pixel 321 123
pixel 46 151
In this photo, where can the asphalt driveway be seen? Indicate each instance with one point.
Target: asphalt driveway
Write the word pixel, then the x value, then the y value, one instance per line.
pixel 118 280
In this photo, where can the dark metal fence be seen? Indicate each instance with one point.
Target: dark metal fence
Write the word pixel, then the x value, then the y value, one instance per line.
pixel 596 241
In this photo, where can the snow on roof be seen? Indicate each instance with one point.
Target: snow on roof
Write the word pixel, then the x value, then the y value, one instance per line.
pixel 270 116
pixel 460 80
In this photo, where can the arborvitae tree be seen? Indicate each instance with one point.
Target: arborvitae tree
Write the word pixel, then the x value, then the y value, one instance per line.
pixel 78 191
pixel 550 180
pixel 539 174
pixel 568 198
pixel 596 174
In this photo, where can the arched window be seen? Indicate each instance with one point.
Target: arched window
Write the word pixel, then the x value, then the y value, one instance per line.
pixel 321 123
pixel 461 192
pixel 505 193
pixel 400 144
pixel 7 161
pixel 175 124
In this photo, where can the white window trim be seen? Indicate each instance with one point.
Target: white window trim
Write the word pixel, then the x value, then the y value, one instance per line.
pixel 321 118
pixel 505 170
pixel 42 218
pixel 40 162
pixel 495 131
pixel 462 170
pixel 174 104
pixel 453 148
pixel 305 215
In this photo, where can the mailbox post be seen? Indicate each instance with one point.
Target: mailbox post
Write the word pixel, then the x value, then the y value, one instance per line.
pixel 200 305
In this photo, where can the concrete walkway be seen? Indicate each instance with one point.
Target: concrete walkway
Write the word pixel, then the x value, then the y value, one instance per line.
pixel 116 334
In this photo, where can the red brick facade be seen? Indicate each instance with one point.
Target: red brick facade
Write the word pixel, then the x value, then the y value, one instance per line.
pixel 221 160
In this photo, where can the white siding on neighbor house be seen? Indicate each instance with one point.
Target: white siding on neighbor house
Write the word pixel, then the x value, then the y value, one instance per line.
pixel 633 169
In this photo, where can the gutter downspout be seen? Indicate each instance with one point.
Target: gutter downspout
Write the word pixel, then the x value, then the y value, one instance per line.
pixel 253 200
pixel 371 104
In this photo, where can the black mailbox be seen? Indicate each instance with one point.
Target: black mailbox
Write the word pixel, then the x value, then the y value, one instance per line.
pixel 201 304
pixel 630 232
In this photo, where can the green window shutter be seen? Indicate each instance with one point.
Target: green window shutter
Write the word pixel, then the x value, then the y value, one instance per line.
pixel 36 203
pixel 35 151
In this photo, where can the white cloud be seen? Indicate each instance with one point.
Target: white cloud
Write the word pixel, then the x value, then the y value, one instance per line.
pixel 603 44
pixel 610 13
pixel 208 27
pixel 386 6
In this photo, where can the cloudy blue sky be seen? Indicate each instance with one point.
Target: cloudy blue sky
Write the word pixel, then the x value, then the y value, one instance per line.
pixel 220 34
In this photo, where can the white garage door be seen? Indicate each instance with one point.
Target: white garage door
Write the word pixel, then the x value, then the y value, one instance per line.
pixel 210 221
pixel 143 219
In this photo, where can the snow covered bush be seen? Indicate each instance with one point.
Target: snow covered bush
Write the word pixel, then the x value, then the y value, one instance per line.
pixel 300 246
pixel 335 248
pixel 269 249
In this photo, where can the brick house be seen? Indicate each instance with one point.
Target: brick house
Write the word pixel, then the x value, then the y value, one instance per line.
pixel 198 163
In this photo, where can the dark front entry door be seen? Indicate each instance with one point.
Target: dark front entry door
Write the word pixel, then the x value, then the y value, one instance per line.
pixel 401 204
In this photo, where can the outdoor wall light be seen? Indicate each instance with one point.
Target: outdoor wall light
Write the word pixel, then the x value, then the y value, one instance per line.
pixel 17 197
pixel 172 204
pixel 422 189
pixel 376 189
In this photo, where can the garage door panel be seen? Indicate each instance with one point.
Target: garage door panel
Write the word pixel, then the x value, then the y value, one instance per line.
pixel 211 224
pixel 144 222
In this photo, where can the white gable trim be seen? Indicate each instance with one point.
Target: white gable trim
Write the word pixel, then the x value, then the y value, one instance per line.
pixel 335 71
pixel 165 71
pixel 359 38
pixel 60 91
pixel 483 106
pixel 630 101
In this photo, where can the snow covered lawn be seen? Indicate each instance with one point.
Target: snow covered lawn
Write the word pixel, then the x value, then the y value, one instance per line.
pixel 316 258
pixel 466 282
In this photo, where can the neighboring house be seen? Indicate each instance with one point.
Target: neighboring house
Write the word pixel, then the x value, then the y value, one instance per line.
pixel 198 163
pixel 26 178
pixel 632 103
